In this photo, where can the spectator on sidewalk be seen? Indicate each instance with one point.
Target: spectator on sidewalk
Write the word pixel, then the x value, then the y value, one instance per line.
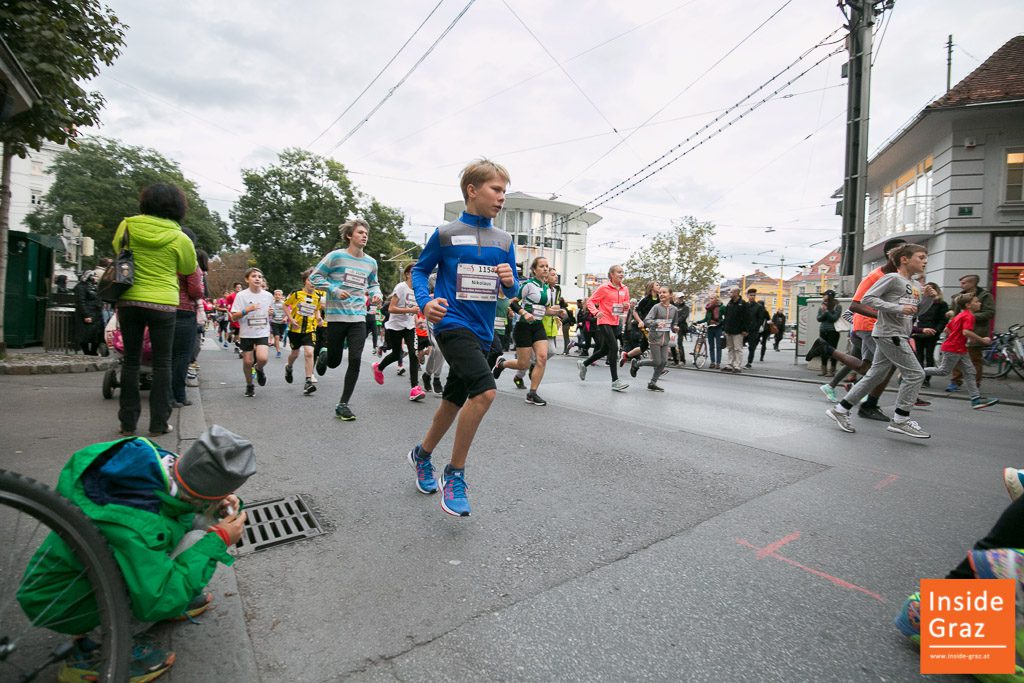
pixel 757 324
pixel 736 325
pixel 88 315
pixel 828 315
pixel 779 323
pixel 931 323
pixel 982 324
pixel 713 319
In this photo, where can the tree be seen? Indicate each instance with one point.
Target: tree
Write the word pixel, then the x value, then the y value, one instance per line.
pixel 99 184
pixel 290 213
pixel 59 43
pixel 682 258
pixel 228 268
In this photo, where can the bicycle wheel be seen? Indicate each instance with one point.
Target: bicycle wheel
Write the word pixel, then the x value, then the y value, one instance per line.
pixel 995 365
pixel 29 513
pixel 700 354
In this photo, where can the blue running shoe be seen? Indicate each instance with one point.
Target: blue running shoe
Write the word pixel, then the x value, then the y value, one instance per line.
pixel 908 621
pixel 998 563
pixel 425 482
pixel 952 386
pixel 453 492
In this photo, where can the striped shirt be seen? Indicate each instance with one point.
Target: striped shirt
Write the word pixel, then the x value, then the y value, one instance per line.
pixel 341 271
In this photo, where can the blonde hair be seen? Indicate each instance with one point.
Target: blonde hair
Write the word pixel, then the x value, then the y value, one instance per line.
pixel 479 172
pixel 348 228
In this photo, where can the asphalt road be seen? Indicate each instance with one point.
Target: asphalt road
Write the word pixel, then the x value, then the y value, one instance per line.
pixel 723 530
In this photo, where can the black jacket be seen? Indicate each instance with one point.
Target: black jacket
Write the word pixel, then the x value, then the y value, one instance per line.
pixel 736 317
pixel 758 316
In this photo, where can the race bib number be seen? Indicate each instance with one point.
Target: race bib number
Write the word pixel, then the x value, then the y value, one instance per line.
pixel 257 320
pixel 908 301
pixel 476 282
pixel 618 309
pixel 499 324
pixel 663 325
pixel 537 311
pixel 353 279
pixel 306 309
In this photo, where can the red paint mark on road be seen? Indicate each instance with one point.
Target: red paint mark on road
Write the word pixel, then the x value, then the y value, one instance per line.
pixel 771 549
pixel 885 482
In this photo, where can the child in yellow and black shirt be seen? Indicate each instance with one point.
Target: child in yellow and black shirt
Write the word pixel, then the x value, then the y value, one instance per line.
pixel 304 309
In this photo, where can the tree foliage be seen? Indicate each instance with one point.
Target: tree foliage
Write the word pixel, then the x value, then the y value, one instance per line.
pixel 682 258
pixel 290 213
pixel 228 268
pixel 99 184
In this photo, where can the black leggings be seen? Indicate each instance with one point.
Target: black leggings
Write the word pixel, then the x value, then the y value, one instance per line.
pixel 832 337
pixel 1008 532
pixel 394 339
pixel 606 346
pixel 337 334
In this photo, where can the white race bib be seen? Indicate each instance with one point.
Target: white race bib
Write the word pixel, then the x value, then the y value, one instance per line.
pixel 353 279
pixel 618 309
pixel 463 240
pixel 256 320
pixel 663 325
pixel 499 324
pixel 306 309
pixel 475 282
pixel 372 310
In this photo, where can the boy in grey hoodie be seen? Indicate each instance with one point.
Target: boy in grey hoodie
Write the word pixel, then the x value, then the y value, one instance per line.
pixel 898 299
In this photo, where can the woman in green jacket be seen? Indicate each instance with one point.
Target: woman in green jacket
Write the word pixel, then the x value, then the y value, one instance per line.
pixel 162 252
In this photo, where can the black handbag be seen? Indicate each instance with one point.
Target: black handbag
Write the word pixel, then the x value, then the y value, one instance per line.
pixel 119 276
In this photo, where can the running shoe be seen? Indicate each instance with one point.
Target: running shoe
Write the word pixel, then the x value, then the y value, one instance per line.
pixel 378 374
pixel 819 348
pixel 313 379
pixel 417 394
pixel 997 563
pixel 321 362
pixel 842 419
pixel 197 606
pixel 288 374
pixel 748 366
pixel 148 661
pixel 438 389
pixel 623 359
pixel 278 354
pixel 518 381
pixel 250 390
pixel 401 371
pixel 225 345
pixel 830 392
pixel 908 621
pixel 425 482
pixel 499 365
pixel 1013 479
pixel 261 377
pixel 634 367
pixel 921 403
pixel 908 428
pixel 308 388
pixel 872 413
pixel 619 385
pixel 342 412
pixel 426 381
pixel 982 402
pixel 951 387
pixel 582 368
pixel 651 386
pixel 453 492
pixel 533 398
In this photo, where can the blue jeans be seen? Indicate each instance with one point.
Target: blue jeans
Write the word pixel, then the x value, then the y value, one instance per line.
pixel 181 356
pixel 715 344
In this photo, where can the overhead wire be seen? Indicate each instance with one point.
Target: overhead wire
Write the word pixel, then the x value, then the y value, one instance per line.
pixel 375 78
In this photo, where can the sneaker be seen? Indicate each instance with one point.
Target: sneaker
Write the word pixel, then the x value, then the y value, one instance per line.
pixel 417 394
pixel 623 359
pixel 342 412
pixel 401 371
pixel 619 385
pixel 998 563
pixel 748 366
pixel 278 354
pixel 725 368
pixel 634 367
pixel 982 402
pixel 921 403
pixel 313 379
pixel 499 365
pixel 951 387
pixel 308 388
pixel 518 381
pixel 908 428
pixel 425 482
pixel 533 398
pixel 908 621
pixel 453 492
pixel 250 390
pixel 830 392
pixel 817 349
pixel 438 389
pixel 378 374
pixel 288 374
pixel 874 413
pixel 197 606
pixel 261 377
pixel 148 661
pixel 1013 480
pixel 842 419
pixel 582 368
pixel 651 386
pixel 426 381
pixel 225 345
pixel 321 362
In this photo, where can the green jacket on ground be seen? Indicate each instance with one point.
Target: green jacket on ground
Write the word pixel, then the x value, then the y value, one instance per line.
pixel 162 252
pixel 54 592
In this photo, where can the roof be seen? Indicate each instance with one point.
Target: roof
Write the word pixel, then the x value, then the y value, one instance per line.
pixel 999 79
pixel 827 264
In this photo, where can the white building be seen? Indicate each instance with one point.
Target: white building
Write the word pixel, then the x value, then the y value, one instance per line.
pixel 30 181
pixel 952 180
pixel 539 228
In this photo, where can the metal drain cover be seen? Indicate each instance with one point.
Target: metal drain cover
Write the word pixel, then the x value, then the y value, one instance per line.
pixel 275 522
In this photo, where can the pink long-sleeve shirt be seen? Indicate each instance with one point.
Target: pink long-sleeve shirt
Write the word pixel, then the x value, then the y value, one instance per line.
pixel 609 303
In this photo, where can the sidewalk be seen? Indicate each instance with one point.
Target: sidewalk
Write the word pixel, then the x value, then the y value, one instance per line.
pixel 45 418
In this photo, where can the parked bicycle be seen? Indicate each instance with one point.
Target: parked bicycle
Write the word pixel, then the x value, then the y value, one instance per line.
pixel 1006 353
pixel 700 347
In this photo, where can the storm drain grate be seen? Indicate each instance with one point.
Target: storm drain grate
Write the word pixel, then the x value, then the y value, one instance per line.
pixel 275 522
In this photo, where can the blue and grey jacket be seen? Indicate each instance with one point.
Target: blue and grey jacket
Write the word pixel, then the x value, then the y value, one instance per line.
pixel 465 253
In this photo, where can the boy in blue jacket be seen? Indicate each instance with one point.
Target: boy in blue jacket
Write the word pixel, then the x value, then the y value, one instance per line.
pixel 473 259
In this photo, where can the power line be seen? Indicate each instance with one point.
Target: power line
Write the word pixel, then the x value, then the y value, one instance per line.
pixel 885 27
pixel 391 92
pixel 379 74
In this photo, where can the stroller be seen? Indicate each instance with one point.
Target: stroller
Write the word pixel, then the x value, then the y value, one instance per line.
pixel 114 342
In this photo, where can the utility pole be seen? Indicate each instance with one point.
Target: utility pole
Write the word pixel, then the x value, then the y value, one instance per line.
pixel 949 62
pixel 860 16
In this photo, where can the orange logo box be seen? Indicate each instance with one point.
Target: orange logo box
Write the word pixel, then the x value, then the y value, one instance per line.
pixel 967 626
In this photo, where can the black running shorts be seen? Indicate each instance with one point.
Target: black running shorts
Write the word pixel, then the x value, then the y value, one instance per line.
pixel 249 343
pixel 526 334
pixel 299 339
pixel 468 373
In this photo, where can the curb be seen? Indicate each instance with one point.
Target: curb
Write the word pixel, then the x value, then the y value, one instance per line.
pixel 9 368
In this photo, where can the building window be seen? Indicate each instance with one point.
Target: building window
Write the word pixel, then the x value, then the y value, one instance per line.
pixel 905 204
pixel 37 168
pixel 1015 175
pixel 36 198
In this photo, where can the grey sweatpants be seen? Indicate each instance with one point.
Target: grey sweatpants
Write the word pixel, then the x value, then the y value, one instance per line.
pixel 949 362
pixel 891 352
pixel 435 359
pixel 659 359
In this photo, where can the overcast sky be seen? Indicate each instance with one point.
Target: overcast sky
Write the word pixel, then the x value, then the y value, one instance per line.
pixel 223 86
